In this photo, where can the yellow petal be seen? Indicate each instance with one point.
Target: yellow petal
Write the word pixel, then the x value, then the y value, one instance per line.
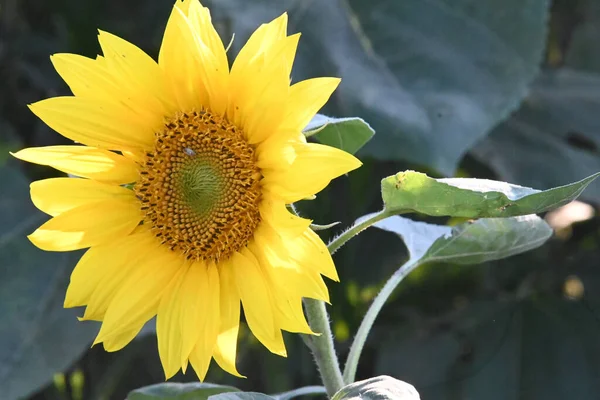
pixel 87 162
pixel 95 123
pixel 211 56
pixel 255 294
pixel 309 251
pixel 202 319
pixel 86 77
pixel 226 347
pixel 138 76
pixel 281 267
pixel 255 57
pixel 287 298
pixel 193 58
pixel 168 325
pixel 113 265
pixel 100 271
pixel 276 153
pixel 313 168
pixel 305 99
pixel 260 81
pixel 261 41
pixel 117 342
pixel 276 214
pixel 263 107
pixel 139 295
pixel 57 195
pixel 88 225
pixel 290 316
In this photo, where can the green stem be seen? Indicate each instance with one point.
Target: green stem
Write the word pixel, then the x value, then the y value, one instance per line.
pixel 356 229
pixel 322 346
pixel 369 319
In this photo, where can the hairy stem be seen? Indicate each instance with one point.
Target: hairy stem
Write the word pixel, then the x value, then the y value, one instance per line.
pixel 322 346
pixel 355 230
pixel 369 319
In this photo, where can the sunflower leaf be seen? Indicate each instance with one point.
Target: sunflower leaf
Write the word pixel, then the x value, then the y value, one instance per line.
pixel 348 134
pixel 378 388
pixel 473 242
pixel 303 391
pixel 179 391
pixel 554 138
pixel 241 396
pixel 468 243
pixel 412 191
pixel 37 336
pixel 432 77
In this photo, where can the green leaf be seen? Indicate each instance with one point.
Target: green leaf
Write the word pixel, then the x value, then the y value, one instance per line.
pixel 38 338
pixel 431 77
pixel 348 134
pixel 583 45
pixel 179 391
pixel 303 391
pixel 471 242
pixel 378 388
pixel 498 349
pixel 241 396
pixel 471 198
pixel 554 138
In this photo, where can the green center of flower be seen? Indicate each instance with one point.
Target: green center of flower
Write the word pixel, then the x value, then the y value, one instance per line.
pixel 200 187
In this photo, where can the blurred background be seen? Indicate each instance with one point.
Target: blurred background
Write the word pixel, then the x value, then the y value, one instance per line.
pixel 500 89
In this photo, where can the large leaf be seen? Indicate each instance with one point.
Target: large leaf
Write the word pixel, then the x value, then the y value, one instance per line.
pixel 468 243
pixel 471 242
pixel 179 391
pixel 583 52
pixel 303 391
pixel 554 138
pixel 378 388
pixel 472 198
pixel 432 77
pixel 241 396
pixel 348 134
pixel 500 350
pixel 37 336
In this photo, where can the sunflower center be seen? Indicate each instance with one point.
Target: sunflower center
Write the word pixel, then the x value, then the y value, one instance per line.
pixel 200 187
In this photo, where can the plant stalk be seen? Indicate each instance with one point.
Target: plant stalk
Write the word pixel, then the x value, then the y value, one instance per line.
pixel 322 346
pixel 339 241
pixel 367 322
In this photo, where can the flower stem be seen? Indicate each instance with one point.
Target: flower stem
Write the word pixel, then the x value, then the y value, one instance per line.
pixel 339 241
pixel 322 346
pixel 369 319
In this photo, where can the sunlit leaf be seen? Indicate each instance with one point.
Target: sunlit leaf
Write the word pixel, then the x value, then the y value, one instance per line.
pixel 472 198
pixel 348 134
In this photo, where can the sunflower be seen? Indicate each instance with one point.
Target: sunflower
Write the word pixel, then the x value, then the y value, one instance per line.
pixel 184 174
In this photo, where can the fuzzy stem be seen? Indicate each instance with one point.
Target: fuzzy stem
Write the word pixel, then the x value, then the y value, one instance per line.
pixel 356 229
pixel 369 319
pixel 322 346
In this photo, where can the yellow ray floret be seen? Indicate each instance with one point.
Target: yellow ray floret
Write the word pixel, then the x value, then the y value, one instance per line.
pixel 179 189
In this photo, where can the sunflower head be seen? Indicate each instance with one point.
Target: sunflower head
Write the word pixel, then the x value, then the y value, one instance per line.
pixel 200 187
pixel 214 155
